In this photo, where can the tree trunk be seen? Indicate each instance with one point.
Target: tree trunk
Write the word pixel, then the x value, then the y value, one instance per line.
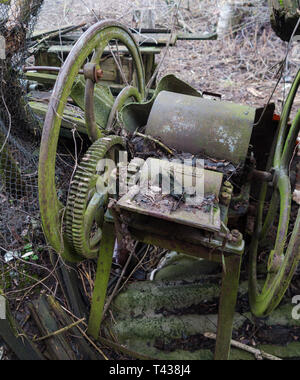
pixel 228 17
pixel 231 14
pixel 284 17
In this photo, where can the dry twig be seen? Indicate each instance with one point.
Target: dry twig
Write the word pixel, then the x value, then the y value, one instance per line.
pixel 259 354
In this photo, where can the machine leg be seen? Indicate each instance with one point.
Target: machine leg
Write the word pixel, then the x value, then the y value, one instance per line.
pixel 227 303
pixel 102 278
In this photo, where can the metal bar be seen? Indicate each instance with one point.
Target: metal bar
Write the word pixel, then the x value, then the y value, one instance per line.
pixel 53 69
pixel 263 176
pixel 102 277
pixel 227 302
pixel 196 36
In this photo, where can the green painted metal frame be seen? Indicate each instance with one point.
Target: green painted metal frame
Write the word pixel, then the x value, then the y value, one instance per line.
pixel 101 281
pixel 229 287
pixel 282 261
pixel 164 234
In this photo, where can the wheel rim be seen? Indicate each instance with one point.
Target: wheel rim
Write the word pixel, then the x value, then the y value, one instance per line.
pixel 51 209
pixel 119 34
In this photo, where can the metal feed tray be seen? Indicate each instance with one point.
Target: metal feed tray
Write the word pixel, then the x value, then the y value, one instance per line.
pixel 190 199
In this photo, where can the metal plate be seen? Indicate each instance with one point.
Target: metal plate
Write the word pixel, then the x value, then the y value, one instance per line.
pixel 188 213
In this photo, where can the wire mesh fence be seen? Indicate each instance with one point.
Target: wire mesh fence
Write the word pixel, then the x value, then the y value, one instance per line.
pixel 19 137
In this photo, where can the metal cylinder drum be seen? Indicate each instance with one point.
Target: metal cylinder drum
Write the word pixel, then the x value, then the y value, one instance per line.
pixel 217 129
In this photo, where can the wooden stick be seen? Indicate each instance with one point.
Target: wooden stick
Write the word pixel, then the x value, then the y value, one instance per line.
pixel 60 331
pixel 258 353
pixel 92 343
pixel 85 335
pixel 155 141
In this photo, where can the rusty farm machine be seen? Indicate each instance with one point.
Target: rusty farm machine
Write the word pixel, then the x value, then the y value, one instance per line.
pixel 246 154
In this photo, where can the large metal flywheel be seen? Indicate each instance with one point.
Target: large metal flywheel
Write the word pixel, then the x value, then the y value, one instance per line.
pixel 86 54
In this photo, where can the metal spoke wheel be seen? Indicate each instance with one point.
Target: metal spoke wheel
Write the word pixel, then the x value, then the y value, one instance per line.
pixel 91 44
pixel 284 257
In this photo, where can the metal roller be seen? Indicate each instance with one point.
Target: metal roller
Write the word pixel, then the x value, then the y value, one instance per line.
pixel 201 126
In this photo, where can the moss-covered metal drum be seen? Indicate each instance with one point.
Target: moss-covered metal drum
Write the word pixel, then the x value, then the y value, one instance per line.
pixel 202 126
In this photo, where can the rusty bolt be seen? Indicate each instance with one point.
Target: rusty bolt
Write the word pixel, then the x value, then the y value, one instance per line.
pixel 237 237
pixel 99 74
pixel 92 72
pixel 225 198
pixel 235 233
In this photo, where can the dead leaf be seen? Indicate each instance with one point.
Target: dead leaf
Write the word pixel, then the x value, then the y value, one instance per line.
pixel 254 92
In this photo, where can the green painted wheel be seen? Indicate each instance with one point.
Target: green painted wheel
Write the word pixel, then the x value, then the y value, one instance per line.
pixel 285 255
pixel 92 43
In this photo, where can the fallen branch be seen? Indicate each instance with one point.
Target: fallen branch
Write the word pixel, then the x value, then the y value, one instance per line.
pixel 92 343
pixel 155 141
pixel 60 331
pixel 259 354
pixel 61 313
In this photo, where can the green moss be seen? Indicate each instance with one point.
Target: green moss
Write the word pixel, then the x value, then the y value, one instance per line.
pixel 236 354
pixel 283 316
pixel 149 297
pixel 148 350
pixel 290 351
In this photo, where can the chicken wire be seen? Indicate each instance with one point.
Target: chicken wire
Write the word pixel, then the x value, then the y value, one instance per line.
pixel 19 131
